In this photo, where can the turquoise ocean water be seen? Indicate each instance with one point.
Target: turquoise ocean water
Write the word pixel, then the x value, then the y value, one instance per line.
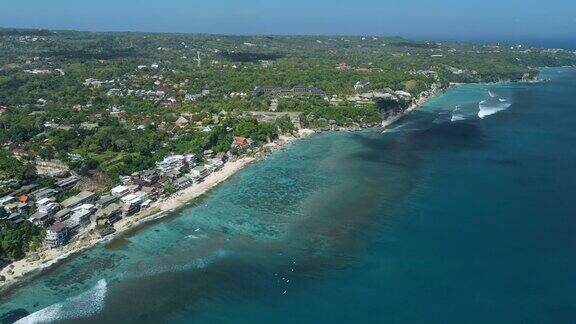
pixel 445 217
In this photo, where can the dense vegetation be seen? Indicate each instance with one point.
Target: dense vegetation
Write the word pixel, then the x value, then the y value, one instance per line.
pixel 17 239
pixel 110 104
pixel 53 114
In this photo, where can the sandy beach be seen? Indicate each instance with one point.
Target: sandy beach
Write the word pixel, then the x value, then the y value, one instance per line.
pixel 48 257
pixel 41 260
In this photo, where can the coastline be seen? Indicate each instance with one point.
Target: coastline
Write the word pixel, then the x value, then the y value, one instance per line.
pixel 47 258
pixel 30 266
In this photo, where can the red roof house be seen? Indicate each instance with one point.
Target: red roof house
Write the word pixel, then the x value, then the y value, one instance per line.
pixel 242 141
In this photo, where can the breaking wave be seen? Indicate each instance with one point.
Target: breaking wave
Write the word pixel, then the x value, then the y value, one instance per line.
pixel 492 105
pixel 394 129
pixel 83 305
pixel 457 115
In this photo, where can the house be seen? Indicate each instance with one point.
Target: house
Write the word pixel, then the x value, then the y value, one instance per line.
pixel 133 202
pixel 133 188
pixel 126 180
pixel 208 154
pixel 151 192
pixel 192 97
pixel 263 90
pixel 215 164
pixel 24 190
pixel 182 122
pixel 200 172
pixel 315 91
pixel 17 207
pixel 170 163
pixel 243 142
pixel 57 234
pixel 403 94
pixel 15 218
pixel 82 197
pixel 129 209
pixel 64 184
pixel 191 159
pixel 299 89
pixel 80 217
pixel 361 85
pixel 105 201
pixel 3 110
pixel 45 201
pixel 120 191
pixel 41 219
pixel 7 200
pixel 135 198
pixel 47 205
pixel 109 215
pixel 182 183
pixel 43 193
pixel 149 177
pixel 63 214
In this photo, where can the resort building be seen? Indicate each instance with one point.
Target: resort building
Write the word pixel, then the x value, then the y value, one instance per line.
pixel 171 163
pixel 57 234
pixel 81 198
pixel 105 201
pixel 63 214
pixel 200 172
pixel 120 191
pixel 47 206
pixel 43 193
pixel 109 215
pixel 215 164
pixel 41 219
pixel 65 183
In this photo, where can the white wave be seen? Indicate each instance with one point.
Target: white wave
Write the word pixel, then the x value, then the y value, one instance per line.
pixel 86 304
pixel 393 129
pixel 491 94
pixel 487 109
pixel 502 100
pixel 456 117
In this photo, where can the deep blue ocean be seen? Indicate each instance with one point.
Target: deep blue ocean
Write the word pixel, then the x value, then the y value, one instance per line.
pixel 463 212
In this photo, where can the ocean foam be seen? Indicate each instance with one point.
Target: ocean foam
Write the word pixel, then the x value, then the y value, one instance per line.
pixel 457 114
pixel 487 109
pixel 456 117
pixel 492 105
pixel 83 305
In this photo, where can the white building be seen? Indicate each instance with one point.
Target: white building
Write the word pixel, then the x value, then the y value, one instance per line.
pixel 135 199
pixel 200 172
pixel 49 208
pixel 120 191
pixel 171 163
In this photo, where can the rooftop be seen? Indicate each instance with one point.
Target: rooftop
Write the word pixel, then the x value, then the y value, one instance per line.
pixel 57 227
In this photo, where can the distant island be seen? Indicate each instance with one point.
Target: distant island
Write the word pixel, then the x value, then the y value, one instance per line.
pixel 100 132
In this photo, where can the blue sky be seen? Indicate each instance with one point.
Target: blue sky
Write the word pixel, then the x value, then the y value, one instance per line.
pixel 447 18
